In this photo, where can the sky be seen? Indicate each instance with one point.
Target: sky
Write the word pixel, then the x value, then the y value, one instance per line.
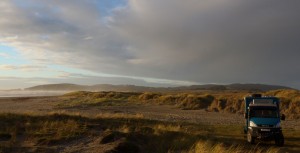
pixel 149 43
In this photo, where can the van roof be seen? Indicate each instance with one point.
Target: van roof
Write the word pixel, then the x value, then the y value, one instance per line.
pixel 266 105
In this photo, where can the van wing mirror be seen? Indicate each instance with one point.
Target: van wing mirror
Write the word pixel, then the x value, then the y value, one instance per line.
pixel 282 117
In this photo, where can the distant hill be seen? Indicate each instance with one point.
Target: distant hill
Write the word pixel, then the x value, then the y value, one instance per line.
pixel 261 87
pixel 133 88
pixel 236 86
pixel 58 87
pixel 98 87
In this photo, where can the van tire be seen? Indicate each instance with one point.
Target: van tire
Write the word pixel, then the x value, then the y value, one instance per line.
pixel 250 138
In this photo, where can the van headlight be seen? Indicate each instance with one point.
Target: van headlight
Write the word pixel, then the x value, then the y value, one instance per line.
pixel 277 125
pixel 252 124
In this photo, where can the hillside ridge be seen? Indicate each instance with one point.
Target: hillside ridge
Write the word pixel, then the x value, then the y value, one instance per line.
pixel 134 88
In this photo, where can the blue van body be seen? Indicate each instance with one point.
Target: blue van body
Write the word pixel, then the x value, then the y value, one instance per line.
pixel 262 116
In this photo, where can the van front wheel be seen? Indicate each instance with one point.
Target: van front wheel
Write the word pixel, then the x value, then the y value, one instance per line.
pixel 250 138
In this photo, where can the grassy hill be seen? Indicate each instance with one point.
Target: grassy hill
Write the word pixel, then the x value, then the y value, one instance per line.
pixel 133 88
pixel 58 87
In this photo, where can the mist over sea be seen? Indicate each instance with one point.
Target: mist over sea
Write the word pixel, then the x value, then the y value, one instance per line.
pixel 23 93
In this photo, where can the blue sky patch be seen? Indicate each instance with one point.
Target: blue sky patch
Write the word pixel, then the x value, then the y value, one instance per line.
pixel 8 55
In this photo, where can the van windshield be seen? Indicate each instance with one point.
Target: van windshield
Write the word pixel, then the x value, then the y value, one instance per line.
pixel 264 112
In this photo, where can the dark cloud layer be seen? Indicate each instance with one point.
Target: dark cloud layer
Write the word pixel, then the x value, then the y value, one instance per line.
pixel 210 41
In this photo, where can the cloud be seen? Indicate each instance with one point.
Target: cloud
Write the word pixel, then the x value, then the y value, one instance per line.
pixel 7 67
pixel 68 75
pixel 88 38
pixel 5 55
pixel 210 41
pixel 22 67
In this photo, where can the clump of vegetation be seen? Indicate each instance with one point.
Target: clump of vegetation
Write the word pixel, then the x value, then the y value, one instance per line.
pixel 168 99
pixel 229 104
pixel 195 102
pixel 84 98
pixel 148 96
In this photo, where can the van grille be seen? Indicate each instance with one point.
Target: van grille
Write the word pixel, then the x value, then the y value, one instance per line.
pixel 264 125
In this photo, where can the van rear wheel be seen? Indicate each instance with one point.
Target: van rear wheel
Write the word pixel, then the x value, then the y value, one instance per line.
pixel 250 138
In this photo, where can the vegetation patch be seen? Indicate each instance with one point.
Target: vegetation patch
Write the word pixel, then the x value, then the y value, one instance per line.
pixel 195 102
pixel 229 101
pixel 53 132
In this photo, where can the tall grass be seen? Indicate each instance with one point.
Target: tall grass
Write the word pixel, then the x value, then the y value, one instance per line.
pixel 229 101
pixel 141 134
pixel 210 147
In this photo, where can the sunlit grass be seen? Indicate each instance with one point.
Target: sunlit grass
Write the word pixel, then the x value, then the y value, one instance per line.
pixel 222 101
pixel 211 147
pixel 147 135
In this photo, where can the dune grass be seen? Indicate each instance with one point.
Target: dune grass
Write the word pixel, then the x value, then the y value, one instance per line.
pixel 229 101
pixel 136 133
pixel 210 147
